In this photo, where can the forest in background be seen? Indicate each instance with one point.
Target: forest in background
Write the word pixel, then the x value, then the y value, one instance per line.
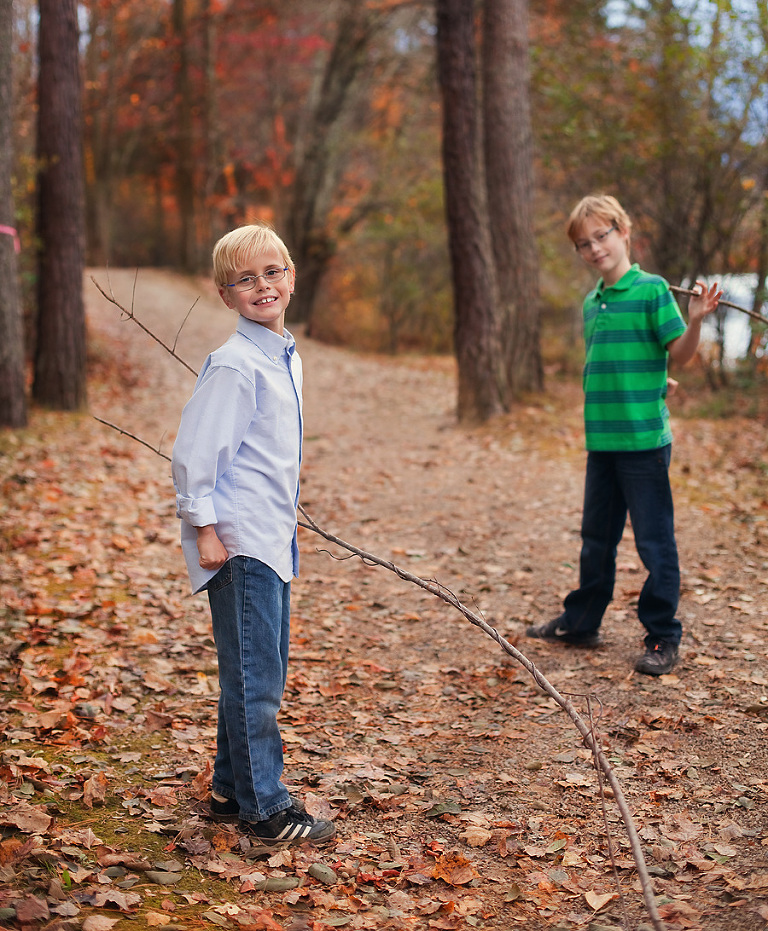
pixel 325 120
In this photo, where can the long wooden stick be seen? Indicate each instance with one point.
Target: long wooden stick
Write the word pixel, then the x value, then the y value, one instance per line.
pixel 435 588
pixel 587 732
pixel 744 310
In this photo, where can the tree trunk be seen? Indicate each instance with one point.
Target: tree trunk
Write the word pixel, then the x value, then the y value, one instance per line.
pixel 185 181
pixel 319 162
pixel 508 151
pixel 211 137
pixel 60 360
pixel 476 325
pixel 99 139
pixel 13 403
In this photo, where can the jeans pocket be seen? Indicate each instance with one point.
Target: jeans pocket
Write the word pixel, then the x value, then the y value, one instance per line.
pixel 222 578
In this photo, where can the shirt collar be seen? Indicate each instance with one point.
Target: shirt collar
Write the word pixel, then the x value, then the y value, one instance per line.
pixel 626 281
pixel 267 340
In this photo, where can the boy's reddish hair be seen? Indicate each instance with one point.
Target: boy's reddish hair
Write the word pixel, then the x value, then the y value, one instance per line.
pixel 603 207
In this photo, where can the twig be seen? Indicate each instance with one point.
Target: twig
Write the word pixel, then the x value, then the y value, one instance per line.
pixel 590 740
pixel 603 806
pixel 744 310
pixel 126 433
pixel 132 316
pixel 181 327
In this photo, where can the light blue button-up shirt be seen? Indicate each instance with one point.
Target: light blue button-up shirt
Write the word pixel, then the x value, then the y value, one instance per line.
pixel 237 453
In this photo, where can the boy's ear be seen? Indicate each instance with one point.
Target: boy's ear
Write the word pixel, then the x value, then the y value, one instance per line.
pixel 226 296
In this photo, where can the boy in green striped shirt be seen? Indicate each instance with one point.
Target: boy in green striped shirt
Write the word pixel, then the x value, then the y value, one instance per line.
pixel 632 325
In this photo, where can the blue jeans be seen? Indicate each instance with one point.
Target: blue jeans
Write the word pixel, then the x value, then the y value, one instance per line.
pixel 638 483
pixel 250 611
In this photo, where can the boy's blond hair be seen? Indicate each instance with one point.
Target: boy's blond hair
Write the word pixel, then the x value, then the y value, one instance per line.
pixel 235 249
pixel 602 207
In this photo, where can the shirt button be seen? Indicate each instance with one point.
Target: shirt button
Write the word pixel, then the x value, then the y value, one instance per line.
pixel 274 358
pixel 603 306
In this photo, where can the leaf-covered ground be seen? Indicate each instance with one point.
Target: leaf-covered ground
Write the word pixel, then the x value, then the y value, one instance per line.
pixel 463 795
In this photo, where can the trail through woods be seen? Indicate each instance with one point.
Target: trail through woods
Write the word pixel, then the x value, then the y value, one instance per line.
pixel 462 794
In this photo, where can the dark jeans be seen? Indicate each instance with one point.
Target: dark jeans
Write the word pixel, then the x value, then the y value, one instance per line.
pixel 638 483
pixel 250 610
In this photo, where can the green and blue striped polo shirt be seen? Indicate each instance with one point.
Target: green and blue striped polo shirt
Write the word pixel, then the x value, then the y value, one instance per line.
pixel 626 330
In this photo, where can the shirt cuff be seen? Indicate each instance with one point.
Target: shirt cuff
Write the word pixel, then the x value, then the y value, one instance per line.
pixel 199 512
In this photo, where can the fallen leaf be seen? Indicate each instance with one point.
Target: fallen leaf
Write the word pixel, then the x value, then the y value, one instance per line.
pixel 30 819
pixel 156 920
pixel 31 909
pixel 597 900
pixel 476 836
pixel 454 870
pixel 123 900
pixel 95 790
pixel 443 808
pixel 99 923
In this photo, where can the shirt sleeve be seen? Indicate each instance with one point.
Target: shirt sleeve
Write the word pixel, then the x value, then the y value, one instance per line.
pixel 213 425
pixel 668 318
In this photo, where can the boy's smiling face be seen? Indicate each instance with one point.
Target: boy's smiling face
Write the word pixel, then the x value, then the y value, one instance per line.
pixel 266 302
pixel 604 248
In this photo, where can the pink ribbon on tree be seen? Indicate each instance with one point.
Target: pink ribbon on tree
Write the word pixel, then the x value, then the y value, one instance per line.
pixel 10 231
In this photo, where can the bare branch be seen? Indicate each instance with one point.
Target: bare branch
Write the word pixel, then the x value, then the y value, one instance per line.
pixel 132 316
pixel 181 327
pixel 126 433
pixel 744 310
pixel 586 731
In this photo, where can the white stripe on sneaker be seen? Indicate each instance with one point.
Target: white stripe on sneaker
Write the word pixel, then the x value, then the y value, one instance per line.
pixel 292 831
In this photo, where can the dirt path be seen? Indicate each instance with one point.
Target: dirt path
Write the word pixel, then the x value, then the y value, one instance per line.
pixel 395 704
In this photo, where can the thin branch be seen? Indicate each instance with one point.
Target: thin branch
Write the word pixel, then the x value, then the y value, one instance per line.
pixel 126 433
pixel 587 732
pixel 744 310
pixel 183 322
pixel 607 826
pixel 132 316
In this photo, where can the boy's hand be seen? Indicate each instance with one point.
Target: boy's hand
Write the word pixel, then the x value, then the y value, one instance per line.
pixel 682 349
pixel 212 552
pixel 704 301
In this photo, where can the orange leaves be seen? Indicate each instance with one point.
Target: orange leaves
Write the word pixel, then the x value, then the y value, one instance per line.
pixel 454 869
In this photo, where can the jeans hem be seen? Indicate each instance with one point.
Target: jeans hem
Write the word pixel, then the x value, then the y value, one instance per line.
pixel 255 819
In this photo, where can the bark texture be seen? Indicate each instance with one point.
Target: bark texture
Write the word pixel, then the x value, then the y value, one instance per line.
pixel 60 357
pixel 13 405
pixel 508 151
pixel 476 325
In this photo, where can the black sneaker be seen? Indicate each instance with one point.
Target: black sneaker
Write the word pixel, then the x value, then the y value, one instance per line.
pixel 554 632
pixel 659 659
pixel 290 826
pixel 229 810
